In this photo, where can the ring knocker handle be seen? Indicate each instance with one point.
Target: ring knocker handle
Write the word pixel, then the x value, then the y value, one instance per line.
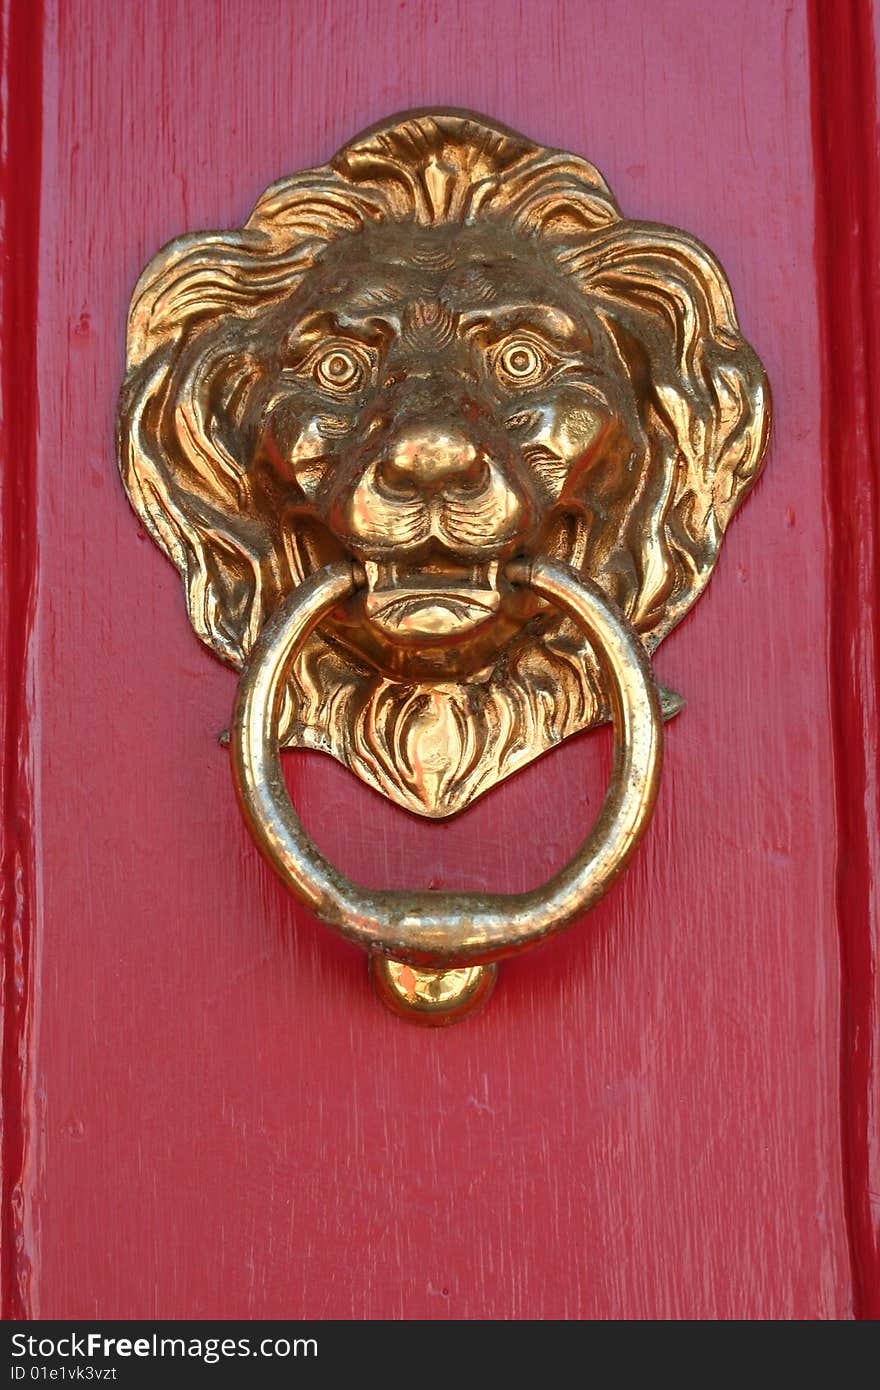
pixel 433 954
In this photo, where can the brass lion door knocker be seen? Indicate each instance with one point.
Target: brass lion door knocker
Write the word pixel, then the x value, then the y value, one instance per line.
pixel 437 432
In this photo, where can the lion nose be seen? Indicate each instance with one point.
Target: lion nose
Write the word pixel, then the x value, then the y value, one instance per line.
pixel 431 458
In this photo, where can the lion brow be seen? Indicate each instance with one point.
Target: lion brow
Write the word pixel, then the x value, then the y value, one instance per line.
pixel 554 320
pixel 317 320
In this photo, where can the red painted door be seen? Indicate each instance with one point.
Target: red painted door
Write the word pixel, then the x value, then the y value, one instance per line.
pixel 667 1112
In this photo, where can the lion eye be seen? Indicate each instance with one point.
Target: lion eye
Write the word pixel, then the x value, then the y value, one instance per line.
pixel 340 369
pixel 520 362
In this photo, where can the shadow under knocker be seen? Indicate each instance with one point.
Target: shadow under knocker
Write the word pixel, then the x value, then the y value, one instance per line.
pixel 442 446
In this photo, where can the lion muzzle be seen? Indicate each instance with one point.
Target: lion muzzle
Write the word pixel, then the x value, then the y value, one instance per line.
pixel 430 515
pixel 432 488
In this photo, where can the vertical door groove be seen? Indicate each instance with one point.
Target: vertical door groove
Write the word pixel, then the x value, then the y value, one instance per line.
pixel 20 144
pixel 848 267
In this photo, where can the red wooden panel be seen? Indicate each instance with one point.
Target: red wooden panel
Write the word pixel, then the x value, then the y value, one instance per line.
pixel 217 1118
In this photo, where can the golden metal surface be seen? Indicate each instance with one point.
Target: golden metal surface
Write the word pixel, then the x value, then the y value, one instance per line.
pixel 445 930
pixel 442 446
pixel 444 349
pixel 433 997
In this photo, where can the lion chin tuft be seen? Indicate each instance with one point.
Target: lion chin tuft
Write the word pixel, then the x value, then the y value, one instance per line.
pixel 433 748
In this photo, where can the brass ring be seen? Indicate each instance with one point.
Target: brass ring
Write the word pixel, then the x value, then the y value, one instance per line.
pixel 446 930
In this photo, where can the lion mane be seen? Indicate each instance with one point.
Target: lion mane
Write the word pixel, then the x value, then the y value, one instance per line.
pixel 191 394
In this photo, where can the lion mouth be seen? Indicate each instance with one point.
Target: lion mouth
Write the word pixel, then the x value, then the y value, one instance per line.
pixel 430 603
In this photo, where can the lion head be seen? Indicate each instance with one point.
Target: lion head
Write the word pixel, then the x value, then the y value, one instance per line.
pixel 442 350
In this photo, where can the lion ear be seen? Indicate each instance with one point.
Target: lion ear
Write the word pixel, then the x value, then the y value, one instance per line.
pixel 180 454
pixel 704 400
pixel 187 494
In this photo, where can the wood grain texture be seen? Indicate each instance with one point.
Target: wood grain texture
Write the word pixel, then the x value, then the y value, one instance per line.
pixel 646 1120
pixel 848 262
